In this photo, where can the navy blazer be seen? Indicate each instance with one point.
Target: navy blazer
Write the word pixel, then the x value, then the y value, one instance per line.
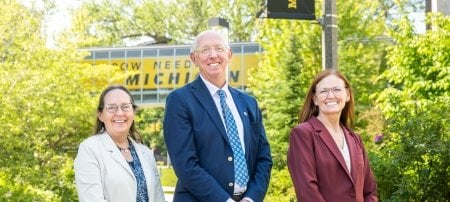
pixel 199 149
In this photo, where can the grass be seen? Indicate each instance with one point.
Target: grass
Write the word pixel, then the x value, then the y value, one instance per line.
pixel 168 177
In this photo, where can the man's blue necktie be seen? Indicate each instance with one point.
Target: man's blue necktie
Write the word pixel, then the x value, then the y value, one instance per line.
pixel 240 165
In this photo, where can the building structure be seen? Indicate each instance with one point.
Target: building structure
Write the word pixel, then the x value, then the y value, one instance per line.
pixel 152 72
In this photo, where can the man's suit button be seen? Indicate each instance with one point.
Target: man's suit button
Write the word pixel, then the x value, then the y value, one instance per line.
pixel 230 184
pixel 230 158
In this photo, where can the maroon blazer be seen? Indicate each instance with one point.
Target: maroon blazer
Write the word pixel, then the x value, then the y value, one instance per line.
pixel 318 169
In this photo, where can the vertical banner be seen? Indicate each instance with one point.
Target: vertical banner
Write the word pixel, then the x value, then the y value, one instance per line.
pixel 291 9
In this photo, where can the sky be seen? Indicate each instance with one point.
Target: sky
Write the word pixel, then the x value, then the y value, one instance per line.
pixel 57 22
pixel 61 19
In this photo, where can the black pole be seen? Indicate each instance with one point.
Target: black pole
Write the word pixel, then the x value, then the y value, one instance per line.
pixel 329 35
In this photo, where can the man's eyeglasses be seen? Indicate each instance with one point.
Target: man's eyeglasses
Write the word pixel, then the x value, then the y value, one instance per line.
pixel 206 51
pixel 112 108
pixel 337 91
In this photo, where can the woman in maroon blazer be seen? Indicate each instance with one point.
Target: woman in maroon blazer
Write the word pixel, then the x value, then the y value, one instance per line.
pixel 327 161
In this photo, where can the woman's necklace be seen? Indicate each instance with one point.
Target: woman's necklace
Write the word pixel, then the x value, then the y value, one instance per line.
pixel 124 149
pixel 126 152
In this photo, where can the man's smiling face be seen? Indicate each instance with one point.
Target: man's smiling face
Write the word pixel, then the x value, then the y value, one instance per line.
pixel 212 57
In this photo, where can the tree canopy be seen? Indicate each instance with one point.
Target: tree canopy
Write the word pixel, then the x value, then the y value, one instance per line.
pixel 413 160
pixel 47 105
pixel 112 23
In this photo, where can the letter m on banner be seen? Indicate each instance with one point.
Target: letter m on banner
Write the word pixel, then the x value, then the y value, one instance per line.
pixel 291 9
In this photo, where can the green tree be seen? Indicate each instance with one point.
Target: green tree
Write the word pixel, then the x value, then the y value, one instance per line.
pixel 149 121
pixel 278 82
pixel 362 43
pixel 112 23
pixel 48 103
pixel 413 161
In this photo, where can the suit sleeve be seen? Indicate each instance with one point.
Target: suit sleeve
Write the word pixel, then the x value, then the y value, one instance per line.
pixel 259 182
pixel 88 175
pixel 301 163
pixel 179 138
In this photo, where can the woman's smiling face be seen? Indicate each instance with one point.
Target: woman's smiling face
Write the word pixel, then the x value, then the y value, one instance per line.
pixel 331 95
pixel 118 113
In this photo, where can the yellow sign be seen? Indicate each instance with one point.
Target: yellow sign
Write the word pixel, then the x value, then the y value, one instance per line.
pixel 152 73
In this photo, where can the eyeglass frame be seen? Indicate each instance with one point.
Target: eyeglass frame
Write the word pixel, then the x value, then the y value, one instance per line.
pixel 328 90
pixel 207 51
pixel 116 107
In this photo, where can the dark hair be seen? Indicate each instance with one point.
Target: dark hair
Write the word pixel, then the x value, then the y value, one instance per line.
pixel 309 109
pixel 100 126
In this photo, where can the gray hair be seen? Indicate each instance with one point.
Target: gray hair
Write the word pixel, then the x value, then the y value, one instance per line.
pixel 210 31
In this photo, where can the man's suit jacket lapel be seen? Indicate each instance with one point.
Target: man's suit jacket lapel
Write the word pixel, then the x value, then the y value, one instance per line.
pixel 201 93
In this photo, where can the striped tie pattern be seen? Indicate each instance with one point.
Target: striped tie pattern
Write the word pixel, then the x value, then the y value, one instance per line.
pixel 240 166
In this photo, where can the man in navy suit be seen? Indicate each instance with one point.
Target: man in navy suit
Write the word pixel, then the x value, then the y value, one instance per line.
pixel 196 137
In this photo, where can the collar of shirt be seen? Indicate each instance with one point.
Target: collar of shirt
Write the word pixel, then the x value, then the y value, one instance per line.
pixel 213 89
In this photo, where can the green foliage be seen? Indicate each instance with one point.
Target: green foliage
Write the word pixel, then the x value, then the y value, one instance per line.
pixel 21 190
pixel 362 60
pixel 414 158
pixel 29 183
pixel 420 64
pixel 103 23
pixel 149 122
pixel 413 161
pixel 168 177
pixel 281 187
pixel 48 104
pixel 281 80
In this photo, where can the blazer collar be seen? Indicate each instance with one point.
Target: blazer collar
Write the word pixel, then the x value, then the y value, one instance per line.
pixel 326 137
pixel 110 146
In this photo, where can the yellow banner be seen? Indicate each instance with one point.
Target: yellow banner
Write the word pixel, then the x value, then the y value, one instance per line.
pixel 174 72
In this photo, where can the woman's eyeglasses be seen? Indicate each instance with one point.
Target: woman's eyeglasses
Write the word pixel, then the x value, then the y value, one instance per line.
pixel 113 108
pixel 337 91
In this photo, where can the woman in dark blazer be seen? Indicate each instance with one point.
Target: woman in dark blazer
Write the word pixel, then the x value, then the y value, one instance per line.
pixel 326 159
